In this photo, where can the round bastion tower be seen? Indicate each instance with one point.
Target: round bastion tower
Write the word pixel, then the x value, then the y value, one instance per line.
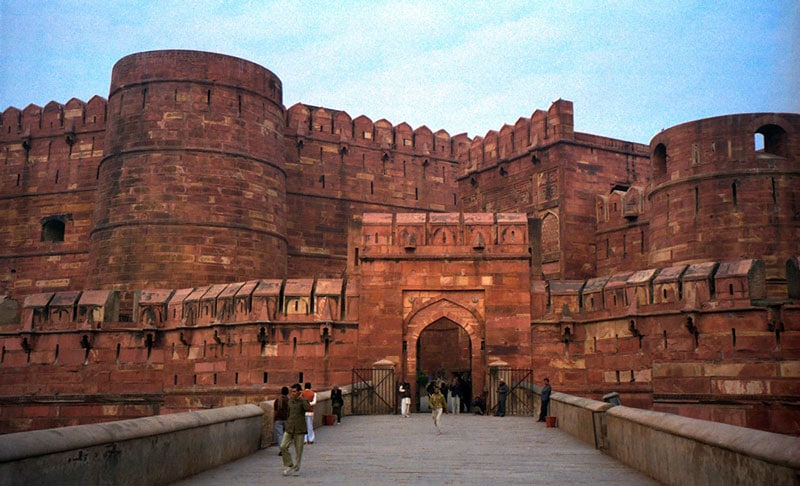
pixel 726 188
pixel 191 190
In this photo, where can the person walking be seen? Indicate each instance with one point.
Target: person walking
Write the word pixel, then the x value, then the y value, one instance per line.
pixel 437 404
pixel 405 399
pixel 295 431
pixel 337 402
pixel 545 408
pixel 311 396
pixel 281 413
pixel 502 395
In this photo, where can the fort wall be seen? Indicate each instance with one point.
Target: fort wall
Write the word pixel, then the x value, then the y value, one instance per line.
pixel 540 166
pixel 48 179
pixel 339 167
pixel 191 243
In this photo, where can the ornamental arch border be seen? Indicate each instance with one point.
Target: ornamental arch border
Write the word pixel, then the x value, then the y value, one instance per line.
pixel 467 319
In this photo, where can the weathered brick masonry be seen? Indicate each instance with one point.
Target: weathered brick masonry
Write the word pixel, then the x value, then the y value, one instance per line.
pixel 192 243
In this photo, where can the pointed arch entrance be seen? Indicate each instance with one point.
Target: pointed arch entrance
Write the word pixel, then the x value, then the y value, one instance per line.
pixel 443 336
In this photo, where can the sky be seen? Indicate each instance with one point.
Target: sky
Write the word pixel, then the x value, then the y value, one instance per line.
pixel 631 68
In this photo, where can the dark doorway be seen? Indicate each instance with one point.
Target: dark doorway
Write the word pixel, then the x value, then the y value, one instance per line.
pixel 444 351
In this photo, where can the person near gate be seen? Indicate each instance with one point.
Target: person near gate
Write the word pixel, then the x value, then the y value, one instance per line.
pixel 295 431
pixel 405 399
pixel 281 413
pixel 502 395
pixel 337 402
pixel 311 396
pixel 546 391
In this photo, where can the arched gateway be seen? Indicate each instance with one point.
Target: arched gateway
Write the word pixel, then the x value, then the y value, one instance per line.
pixel 443 338
pixel 442 293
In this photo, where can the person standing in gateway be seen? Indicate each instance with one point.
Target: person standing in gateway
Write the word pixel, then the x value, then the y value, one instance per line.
pixel 405 399
pixel 295 431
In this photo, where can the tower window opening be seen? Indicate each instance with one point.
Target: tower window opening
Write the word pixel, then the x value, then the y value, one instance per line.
pixel 771 139
pixel 53 230
pixel 758 142
pixel 660 159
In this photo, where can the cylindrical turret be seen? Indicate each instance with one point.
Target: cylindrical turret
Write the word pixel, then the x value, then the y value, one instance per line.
pixel 192 186
pixel 727 188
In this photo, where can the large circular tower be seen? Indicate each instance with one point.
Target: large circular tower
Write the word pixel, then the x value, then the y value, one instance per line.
pixel 192 186
pixel 726 188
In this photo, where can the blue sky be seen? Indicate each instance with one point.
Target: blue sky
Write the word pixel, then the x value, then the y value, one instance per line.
pixel 631 67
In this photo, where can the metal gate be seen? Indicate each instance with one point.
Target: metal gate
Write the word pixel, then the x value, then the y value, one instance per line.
pixel 521 399
pixel 373 391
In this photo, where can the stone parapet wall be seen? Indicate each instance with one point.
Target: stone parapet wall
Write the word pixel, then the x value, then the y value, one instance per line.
pixel 150 450
pixel 680 450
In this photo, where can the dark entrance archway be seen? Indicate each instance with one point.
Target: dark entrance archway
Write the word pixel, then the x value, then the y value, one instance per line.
pixel 444 351
pixel 449 335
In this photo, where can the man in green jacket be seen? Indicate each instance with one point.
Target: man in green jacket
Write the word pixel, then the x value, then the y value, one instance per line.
pixel 295 431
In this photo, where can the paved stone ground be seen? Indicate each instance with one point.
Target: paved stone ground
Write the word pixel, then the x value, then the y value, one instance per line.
pixel 388 449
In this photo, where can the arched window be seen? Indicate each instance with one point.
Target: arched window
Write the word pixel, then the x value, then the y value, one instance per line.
pixel 771 139
pixel 551 238
pixel 660 159
pixel 53 227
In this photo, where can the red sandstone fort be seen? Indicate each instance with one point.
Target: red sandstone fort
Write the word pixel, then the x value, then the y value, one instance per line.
pixel 191 243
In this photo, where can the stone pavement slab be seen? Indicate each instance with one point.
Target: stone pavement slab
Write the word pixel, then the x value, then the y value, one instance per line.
pixel 388 449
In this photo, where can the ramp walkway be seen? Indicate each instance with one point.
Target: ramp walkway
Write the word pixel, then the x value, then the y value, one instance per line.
pixel 472 450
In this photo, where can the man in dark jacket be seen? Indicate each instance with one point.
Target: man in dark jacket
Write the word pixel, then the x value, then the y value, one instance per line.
pixel 337 402
pixel 546 390
pixel 502 395
pixel 295 431
pixel 281 409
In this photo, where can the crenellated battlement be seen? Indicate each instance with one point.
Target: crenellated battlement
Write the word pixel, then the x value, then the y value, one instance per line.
pixel 335 126
pixel 76 116
pixel 542 128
